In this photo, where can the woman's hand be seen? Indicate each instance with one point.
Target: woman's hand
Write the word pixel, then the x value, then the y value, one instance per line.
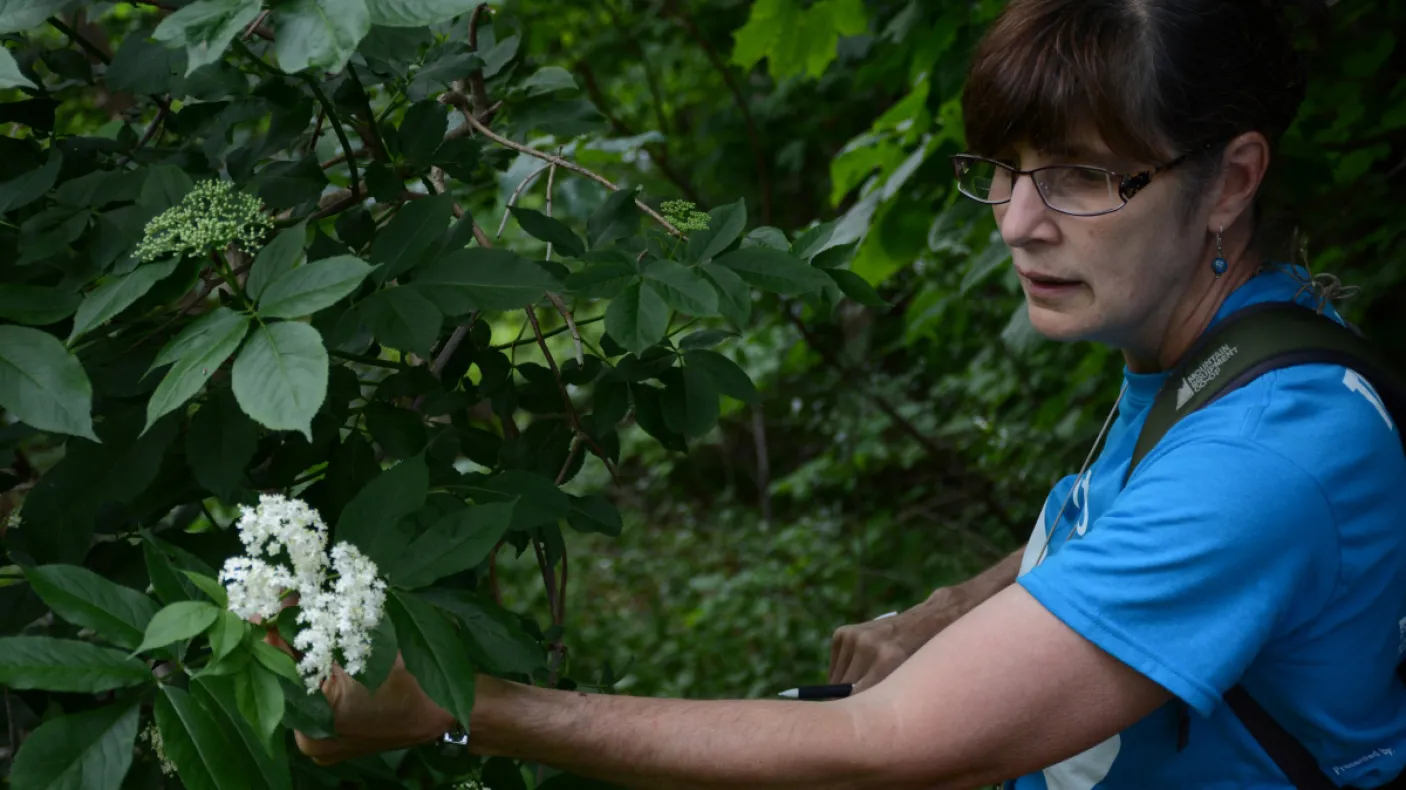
pixel 865 653
pixel 396 716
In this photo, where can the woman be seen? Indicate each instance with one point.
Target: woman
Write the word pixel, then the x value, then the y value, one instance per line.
pixel 1122 144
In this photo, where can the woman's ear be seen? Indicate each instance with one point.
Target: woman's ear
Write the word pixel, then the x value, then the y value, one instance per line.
pixel 1242 171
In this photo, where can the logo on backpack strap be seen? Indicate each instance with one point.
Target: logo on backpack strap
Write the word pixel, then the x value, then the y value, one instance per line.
pixel 1204 374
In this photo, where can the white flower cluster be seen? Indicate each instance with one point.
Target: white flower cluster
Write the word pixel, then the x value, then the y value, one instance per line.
pixel 339 618
pixel 152 736
pixel 210 217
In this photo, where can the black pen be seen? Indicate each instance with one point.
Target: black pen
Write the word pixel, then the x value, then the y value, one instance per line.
pixel 836 691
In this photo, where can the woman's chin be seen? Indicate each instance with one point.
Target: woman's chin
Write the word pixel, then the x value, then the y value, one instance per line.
pixel 1058 325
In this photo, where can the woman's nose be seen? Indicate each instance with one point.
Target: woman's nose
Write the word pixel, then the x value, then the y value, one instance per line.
pixel 1025 218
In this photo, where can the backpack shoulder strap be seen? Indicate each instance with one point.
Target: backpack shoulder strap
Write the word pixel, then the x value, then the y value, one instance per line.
pixel 1247 344
pixel 1256 340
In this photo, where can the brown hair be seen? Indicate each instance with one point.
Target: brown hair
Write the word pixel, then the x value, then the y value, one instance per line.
pixel 1155 78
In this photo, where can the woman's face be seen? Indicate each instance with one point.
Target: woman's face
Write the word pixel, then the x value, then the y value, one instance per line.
pixel 1115 278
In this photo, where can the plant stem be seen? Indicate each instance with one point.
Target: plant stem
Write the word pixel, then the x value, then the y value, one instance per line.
pixel 73 36
pixel 336 124
pixel 551 333
pixel 365 360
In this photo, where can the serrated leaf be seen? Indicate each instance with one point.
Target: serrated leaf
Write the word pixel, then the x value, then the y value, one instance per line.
pixel 41 662
pixel 552 231
pixel 178 621
pixel 734 295
pixel 82 751
pixel 264 761
pixel 725 224
pixel 319 34
pixel 42 384
pixel 615 218
pixel 311 287
pixel 595 513
pixel 116 294
pixel 726 375
pixel 705 338
pixel 209 586
pixel 36 305
pixel 422 129
pixel 682 288
pixel 483 279
pixel 280 376
pixel 220 443
pixel 493 635
pixel 402 318
pixel 548 79
pixel 456 542
pixel 813 241
pixel 856 288
pixel 200 357
pixel 204 757
pixel 205 28
pixel 21 15
pixel 371 520
pixel 401 245
pixel 10 75
pixel 80 596
pixel 602 280
pixel 539 500
pixel 259 697
pixel 433 653
pixel 773 270
pixel 28 187
pixel 416 13
pixel 638 317
pixel 276 258
pixel 226 634
pixel 384 649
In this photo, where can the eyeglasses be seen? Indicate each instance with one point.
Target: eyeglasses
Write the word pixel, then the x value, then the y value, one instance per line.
pixel 1078 190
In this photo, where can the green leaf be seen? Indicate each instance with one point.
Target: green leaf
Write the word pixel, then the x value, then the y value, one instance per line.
pixel 856 288
pixel 168 585
pixel 276 258
pixel 602 280
pixel 264 761
pixel 10 76
pixel 28 187
pixel 500 55
pixel 705 338
pixel 725 224
pixel 399 432
pixel 288 183
pixel 797 40
pixel 36 305
pixel 416 13
pixel 116 294
pixel 539 500
pixel 220 443
pixel 649 414
pixel 201 356
pixel 422 129
pixel 22 15
pixel 307 713
pixel 280 376
pixel 204 758
pixel 259 696
pixel 384 649
pixel 371 520
pixel 82 751
pixel 80 596
pixel 615 218
pixel 142 66
pixel 773 270
pixel 456 542
pixel 41 662
pixel 638 317
pixel 494 636
pixel 226 634
pixel 995 256
pixel 483 279
pixel 403 319
pixel 199 334
pixel 275 661
pixel 547 79
pixel 734 295
pixel 164 187
pixel 319 34
pixel 401 245
pixel 42 385
pixel 682 288
pixel 595 513
pixel 208 586
pixel 433 653
pixel 312 287
pixel 729 379
pixel 689 402
pixel 178 621
pixel 552 231
pixel 205 28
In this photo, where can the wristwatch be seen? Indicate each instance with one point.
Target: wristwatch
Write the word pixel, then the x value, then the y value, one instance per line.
pixel 455 742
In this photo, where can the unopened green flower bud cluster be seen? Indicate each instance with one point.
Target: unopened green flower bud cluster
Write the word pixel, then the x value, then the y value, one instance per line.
pixel 211 217
pixel 685 216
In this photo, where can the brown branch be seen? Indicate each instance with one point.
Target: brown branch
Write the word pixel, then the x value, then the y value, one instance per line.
pixel 570 325
pixel 493 574
pixel 763 462
pixel 753 138
pixel 556 372
pixel 479 127
pixel 551 181
pixel 255 25
pixel 549 580
pixel 476 87
pixel 150 132
pixel 517 193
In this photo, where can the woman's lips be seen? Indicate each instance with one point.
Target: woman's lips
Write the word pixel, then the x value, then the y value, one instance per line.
pixel 1046 285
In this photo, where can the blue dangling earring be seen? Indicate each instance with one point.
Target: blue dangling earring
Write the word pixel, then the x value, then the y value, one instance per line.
pixel 1219 265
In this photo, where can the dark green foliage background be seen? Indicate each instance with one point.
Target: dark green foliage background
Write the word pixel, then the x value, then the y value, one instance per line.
pixel 892 445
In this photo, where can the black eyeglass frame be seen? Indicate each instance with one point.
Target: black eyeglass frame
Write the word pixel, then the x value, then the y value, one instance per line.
pixel 1128 185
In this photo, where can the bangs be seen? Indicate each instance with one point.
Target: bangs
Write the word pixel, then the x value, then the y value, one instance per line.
pixel 1051 69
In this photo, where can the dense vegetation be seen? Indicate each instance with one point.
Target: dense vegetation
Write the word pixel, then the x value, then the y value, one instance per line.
pixel 253 250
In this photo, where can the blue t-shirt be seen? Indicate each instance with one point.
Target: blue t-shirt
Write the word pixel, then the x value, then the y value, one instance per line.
pixel 1262 542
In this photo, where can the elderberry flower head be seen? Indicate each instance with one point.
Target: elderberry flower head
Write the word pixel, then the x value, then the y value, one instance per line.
pixel 212 216
pixel 152 736
pixel 685 215
pixel 333 621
